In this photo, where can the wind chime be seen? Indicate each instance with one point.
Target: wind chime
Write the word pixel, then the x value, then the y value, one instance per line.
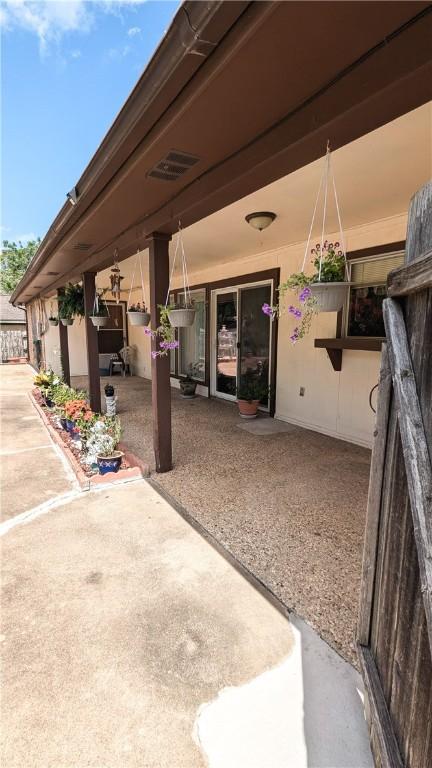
pixel 115 279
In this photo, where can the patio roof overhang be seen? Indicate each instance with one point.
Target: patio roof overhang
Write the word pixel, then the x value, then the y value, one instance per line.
pixel 249 90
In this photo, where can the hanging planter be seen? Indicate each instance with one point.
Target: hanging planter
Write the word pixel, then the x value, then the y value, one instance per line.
pixel 53 321
pixel 137 312
pixel 173 316
pixel 71 304
pixel 100 316
pixel 181 317
pixel 329 297
pixel 326 290
pixel 138 315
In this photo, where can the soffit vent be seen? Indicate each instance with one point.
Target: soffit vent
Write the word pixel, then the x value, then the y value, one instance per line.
pixel 174 165
pixel 52 274
pixel 82 246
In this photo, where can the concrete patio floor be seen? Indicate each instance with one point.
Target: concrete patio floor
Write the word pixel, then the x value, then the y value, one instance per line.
pixel 290 506
pixel 129 642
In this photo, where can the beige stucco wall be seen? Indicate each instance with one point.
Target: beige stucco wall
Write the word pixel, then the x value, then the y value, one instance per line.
pixel 335 403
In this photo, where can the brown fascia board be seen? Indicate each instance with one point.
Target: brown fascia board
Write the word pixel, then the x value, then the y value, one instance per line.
pixel 196 29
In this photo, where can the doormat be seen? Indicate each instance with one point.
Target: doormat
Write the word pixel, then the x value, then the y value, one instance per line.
pixel 267 426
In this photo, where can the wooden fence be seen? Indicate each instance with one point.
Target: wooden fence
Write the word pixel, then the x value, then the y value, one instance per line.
pixel 13 344
pixel 395 622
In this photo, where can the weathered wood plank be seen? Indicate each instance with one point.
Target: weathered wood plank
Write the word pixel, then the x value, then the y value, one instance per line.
pixel 414 444
pixel 419 230
pixel 412 277
pixel 388 755
pixel 374 500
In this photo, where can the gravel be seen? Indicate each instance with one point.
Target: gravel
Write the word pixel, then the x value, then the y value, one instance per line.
pixel 290 506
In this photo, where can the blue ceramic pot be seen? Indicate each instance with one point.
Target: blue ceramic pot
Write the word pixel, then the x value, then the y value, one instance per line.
pixel 70 425
pixel 109 463
pixel 63 423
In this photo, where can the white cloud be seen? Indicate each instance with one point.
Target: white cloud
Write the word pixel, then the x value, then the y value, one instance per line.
pixel 119 53
pixel 25 238
pixel 76 54
pixel 133 31
pixel 50 20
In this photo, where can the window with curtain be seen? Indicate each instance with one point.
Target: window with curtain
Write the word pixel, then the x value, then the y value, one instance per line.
pixel 192 340
pixel 367 292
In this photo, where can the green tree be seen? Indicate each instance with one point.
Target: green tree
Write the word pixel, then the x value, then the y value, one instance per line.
pixel 15 258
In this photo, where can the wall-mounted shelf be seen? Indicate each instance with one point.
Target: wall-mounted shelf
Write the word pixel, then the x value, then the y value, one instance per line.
pixel 335 347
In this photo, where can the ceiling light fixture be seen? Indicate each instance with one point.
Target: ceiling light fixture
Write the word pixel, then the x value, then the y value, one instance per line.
pixel 260 220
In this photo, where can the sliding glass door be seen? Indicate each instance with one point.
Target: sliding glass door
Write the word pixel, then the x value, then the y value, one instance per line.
pixel 241 338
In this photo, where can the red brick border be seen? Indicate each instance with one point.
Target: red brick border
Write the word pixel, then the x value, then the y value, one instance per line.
pixel 137 469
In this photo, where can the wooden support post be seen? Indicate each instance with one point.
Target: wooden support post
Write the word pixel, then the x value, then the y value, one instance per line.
pixel 161 387
pixel 64 345
pixel 89 285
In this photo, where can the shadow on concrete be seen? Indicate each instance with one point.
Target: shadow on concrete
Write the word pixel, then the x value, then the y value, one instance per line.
pixel 335 729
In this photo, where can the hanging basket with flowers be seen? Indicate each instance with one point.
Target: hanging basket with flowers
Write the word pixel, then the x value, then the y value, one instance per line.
pixel 137 312
pixel 326 289
pixel 172 316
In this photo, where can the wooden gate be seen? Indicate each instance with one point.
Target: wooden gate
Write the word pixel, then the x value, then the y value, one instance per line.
pixel 395 622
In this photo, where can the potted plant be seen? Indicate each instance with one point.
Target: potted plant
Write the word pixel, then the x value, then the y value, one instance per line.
pixel 71 303
pixel 188 383
pixel 251 391
pixel 328 285
pixel 181 315
pixel 104 436
pixel 76 411
pixel 53 320
pixel 138 315
pixel 46 381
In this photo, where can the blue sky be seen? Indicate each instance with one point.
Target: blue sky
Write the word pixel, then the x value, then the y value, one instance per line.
pixel 67 68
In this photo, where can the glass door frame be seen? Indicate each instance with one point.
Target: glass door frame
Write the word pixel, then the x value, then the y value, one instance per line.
pixel 236 288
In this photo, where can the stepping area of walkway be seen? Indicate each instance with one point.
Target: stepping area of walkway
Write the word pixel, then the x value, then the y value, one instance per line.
pixel 129 642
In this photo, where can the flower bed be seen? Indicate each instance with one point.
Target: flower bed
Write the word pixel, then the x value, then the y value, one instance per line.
pixel 90 441
pixel 67 438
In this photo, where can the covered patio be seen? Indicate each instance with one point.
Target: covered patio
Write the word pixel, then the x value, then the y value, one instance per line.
pixel 289 505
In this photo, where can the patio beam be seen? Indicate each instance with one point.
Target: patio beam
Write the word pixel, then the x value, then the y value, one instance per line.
pixel 89 285
pixel 161 385
pixel 64 344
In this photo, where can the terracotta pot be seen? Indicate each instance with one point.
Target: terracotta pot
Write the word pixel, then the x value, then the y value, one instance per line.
pixel 99 320
pixel 181 318
pixel 67 320
pixel 109 463
pixel 248 408
pixel 330 296
pixel 139 318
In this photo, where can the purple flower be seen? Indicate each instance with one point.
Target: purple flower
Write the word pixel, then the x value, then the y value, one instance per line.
pixel 336 245
pixel 154 354
pixel 268 310
pixel 294 311
pixel 148 332
pixel 295 335
pixel 304 294
pixel 168 345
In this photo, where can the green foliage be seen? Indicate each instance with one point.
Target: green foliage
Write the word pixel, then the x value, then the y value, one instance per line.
pixel 332 264
pixel 15 258
pixel 71 303
pixel 252 387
